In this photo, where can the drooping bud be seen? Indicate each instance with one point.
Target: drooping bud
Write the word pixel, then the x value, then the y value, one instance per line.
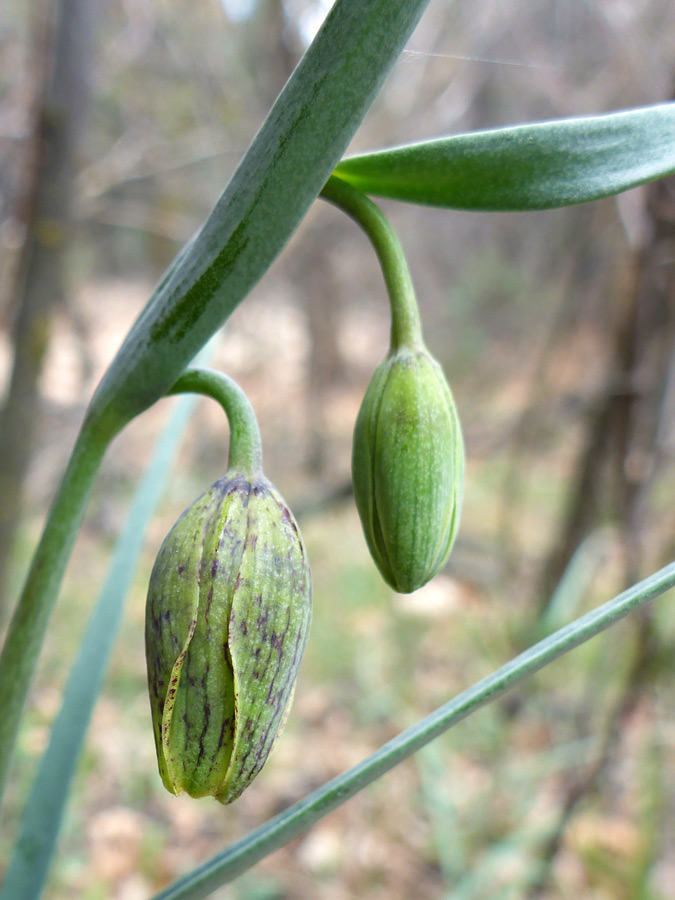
pixel 228 616
pixel 227 619
pixel 408 455
pixel 408 468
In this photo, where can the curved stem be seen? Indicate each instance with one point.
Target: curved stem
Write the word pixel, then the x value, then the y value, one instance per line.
pixel 245 443
pixel 29 623
pixel 406 328
pixel 246 852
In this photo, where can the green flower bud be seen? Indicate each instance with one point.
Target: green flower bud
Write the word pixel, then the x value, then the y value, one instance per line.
pixel 227 620
pixel 408 468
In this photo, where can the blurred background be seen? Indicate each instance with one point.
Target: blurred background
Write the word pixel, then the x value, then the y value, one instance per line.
pixel 120 124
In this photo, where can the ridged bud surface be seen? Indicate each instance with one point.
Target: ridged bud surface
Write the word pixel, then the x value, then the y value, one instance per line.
pixel 227 619
pixel 408 468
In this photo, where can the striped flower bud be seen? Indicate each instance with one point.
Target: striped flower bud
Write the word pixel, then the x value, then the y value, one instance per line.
pixel 408 467
pixel 227 620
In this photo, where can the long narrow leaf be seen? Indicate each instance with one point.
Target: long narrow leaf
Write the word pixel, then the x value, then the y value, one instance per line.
pixel 290 159
pixel 278 831
pixel 43 812
pixel 536 166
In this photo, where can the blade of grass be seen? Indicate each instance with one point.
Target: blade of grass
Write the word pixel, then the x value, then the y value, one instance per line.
pixel 44 808
pixel 479 879
pixel 575 580
pixel 443 817
pixel 537 166
pixel 259 843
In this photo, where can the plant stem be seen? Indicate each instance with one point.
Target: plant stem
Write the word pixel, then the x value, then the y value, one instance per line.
pixel 406 328
pixel 245 853
pixel 29 623
pixel 245 444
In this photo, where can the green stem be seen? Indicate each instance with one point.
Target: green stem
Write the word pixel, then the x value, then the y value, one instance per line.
pixel 245 443
pixel 245 853
pixel 29 623
pixel 406 328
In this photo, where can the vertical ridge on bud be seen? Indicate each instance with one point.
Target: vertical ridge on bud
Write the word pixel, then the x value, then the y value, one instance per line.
pixel 266 638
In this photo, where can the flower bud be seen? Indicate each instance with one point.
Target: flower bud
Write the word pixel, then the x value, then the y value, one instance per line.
pixel 408 468
pixel 227 620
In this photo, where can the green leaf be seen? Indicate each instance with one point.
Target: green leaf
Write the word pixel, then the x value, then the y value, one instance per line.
pixel 290 159
pixel 246 852
pixel 43 811
pixel 537 166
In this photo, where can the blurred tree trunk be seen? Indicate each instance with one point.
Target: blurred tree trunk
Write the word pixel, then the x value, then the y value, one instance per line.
pixel 272 37
pixel 318 289
pixel 40 277
pixel 627 441
pixel 621 454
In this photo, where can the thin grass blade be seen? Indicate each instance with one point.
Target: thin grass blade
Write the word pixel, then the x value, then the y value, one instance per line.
pixel 245 853
pixel 443 816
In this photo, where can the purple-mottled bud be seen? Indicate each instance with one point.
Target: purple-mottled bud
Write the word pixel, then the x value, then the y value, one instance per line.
pixel 227 619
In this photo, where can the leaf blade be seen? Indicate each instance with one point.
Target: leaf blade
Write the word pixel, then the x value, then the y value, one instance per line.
pixel 290 159
pixel 538 166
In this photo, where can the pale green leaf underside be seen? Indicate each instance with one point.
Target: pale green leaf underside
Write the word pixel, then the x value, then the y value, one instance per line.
pixel 537 166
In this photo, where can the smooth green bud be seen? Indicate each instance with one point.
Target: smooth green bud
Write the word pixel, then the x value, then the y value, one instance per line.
pixel 227 620
pixel 408 468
